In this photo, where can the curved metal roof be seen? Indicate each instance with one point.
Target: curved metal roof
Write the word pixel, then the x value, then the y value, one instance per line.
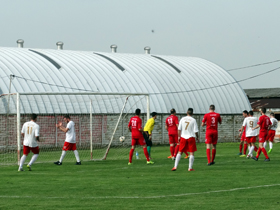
pixel 172 81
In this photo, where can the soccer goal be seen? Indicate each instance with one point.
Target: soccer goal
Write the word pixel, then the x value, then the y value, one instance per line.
pixel 100 120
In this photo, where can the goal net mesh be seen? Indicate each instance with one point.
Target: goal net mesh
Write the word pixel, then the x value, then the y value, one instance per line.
pixel 109 113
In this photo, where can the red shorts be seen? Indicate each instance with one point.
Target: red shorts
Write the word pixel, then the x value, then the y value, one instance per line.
pixel 138 141
pixel 271 134
pixel 251 139
pixel 211 137
pixel 69 146
pixel 263 136
pixel 243 137
pixel 173 138
pixel 187 145
pixel 27 149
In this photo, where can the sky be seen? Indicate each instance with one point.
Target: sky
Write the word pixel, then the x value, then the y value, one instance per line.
pixel 229 33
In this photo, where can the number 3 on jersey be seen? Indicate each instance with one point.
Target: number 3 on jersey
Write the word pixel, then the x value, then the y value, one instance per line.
pixel 213 121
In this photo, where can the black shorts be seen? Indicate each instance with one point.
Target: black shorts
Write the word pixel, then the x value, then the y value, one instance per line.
pixel 147 140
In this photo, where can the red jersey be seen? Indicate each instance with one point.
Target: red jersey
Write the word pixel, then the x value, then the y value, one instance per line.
pixel 135 124
pixel 264 122
pixel 211 119
pixel 171 123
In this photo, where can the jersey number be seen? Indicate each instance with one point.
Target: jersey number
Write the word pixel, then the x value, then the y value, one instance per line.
pixel 187 125
pixel 170 122
pixel 251 124
pixel 213 120
pixel 133 122
pixel 29 130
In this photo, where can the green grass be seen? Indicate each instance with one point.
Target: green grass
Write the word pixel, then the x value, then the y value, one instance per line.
pixel 112 184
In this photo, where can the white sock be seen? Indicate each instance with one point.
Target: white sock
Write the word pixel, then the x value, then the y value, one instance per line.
pixel 62 156
pixel 178 157
pixel 270 145
pixel 249 147
pixel 33 159
pixel 22 160
pixel 252 148
pixel 191 160
pixel 77 155
pixel 264 144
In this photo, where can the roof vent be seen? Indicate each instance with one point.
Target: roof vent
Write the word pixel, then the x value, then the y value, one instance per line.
pixel 147 50
pixel 59 45
pixel 20 43
pixel 114 48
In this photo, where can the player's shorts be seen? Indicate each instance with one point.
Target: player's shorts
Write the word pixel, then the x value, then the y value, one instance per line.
pixel 147 140
pixel 211 137
pixel 173 138
pixel 26 150
pixel 251 139
pixel 138 141
pixel 271 135
pixel 69 146
pixel 243 137
pixel 187 145
pixel 263 136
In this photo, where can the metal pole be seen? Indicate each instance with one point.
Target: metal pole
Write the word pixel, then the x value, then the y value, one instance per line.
pixel 148 107
pixel 8 111
pixel 55 131
pixel 80 132
pixel 90 129
pixel 18 126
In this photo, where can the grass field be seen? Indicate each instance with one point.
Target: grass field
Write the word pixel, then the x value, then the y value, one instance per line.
pixel 232 183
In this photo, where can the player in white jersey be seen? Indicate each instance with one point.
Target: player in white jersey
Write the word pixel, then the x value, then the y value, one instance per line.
pixel 187 131
pixel 271 132
pixel 251 135
pixel 30 132
pixel 70 141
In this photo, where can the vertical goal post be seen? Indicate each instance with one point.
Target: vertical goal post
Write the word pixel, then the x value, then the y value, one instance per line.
pixel 119 106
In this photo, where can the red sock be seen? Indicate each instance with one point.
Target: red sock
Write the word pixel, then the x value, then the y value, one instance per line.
pixel 172 148
pixel 146 153
pixel 186 153
pixel 258 153
pixel 213 154
pixel 176 150
pixel 131 155
pixel 245 148
pixel 208 155
pixel 240 148
pixel 256 149
pixel 265 153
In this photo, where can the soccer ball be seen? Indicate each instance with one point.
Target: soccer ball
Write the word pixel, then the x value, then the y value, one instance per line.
pixel 122 138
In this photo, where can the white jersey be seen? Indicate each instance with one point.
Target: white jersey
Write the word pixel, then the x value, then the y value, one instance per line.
pixel 188 127
pixel 71 134
pixel 250 122
pixel 274 124
pixel 30 130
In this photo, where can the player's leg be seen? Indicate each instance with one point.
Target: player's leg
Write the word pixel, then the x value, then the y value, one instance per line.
pixel 191 147
pixel 241 146
pixel 270 140
pixel 245 148
pixel 64 149
pixel 133 143
pixel 270 146
pixel 179 154
pixel 172 145
pixel 265 143
pixel 208 142
pixel 76 153
pixel 214 143
pixel 35 151
pixel 26 151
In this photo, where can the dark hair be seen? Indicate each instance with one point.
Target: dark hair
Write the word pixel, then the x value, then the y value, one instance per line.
pixel 138 111
pixel 190 111
pixel 245 112
pixel 33 116
pixel 212 107
pixel 172 111
pixel 66 116
pixel 272 114
pixel 263 110
pixel 251 113
pixel 154 114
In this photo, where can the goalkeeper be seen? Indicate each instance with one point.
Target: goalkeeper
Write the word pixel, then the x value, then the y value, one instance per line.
pixel 148 131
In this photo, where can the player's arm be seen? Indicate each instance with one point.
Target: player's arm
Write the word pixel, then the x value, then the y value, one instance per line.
pixel 37 133
pixel 196 135
pixel 129 126
pixel 203 121
pixel 179 130
pixel 196 131
pixel 59 125
pixel 256 127
pixel 220 120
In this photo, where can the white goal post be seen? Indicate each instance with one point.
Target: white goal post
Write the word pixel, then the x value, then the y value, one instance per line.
pixel 100 119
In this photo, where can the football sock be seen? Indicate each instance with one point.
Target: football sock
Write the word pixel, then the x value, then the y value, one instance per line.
pixel 208 155
pixel 249 147
pixel 178 157
pixel 245 149
pixel 33 159
pixel 176 150
pixel 22 160
pixel 191 160
pixel 251 150
pixel 62 156
pixel 265 153
pixel 270 145
pixel 264 144
pixel 172 148
pixel 146 153
pixel 149 150
pixel 77 155
pixel 256 149
pixel 240 148
pixel 258 153
pixel 131 155
pixel 213 154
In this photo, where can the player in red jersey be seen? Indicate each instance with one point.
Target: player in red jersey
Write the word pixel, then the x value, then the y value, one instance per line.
pixel 211 121
pixel 271 132
pixel 264 124
pixel 135 127
pixel 243 138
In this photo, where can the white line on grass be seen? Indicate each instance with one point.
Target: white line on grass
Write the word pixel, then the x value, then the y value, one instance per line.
pixel 145 197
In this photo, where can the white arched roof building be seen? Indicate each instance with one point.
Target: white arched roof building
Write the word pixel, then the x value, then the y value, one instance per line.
pixel 171 81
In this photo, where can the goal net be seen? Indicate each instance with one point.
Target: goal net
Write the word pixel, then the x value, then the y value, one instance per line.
pixel 100 120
